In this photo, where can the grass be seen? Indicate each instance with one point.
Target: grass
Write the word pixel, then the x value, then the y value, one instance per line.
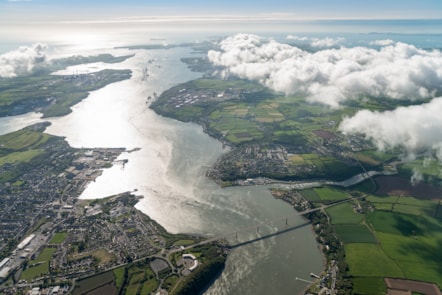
pixel 58 238
pixel 369 286
pixel 85 285
pixel 310 195
pixel 413 209
pixel 344 214
pixel 354 233
pixel 119 276
pixel 184 243
pixel 419 257
pixel 170 282
pixel 330 195
pixel 395 223
pixel 103 256
pixel 149 286
pixel 384 206
pixel 141 278
pixel 412 242
pixel 368 260
pixel 21 157
pixel 382 199
pixel 222 85
pixel 23 139
pixel 416 202
pixel 41 265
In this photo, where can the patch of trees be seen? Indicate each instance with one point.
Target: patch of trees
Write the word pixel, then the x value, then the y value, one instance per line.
pixel 198 281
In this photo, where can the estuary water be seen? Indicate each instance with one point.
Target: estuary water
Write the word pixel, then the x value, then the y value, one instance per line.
pixel 169 171
pixel 169 168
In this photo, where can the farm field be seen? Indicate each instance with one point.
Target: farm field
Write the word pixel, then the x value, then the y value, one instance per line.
pixel 369 260
pixel 344 214
pixel 266 129
pixel 396 236
pixel 330 195
pixel 369 286
pixel 95 284
pixel 242 113
pixel 354 233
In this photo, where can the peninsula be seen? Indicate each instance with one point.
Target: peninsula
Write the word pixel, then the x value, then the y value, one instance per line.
pixel 367 229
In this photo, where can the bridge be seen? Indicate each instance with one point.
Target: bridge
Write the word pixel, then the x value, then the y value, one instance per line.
pixel 281 221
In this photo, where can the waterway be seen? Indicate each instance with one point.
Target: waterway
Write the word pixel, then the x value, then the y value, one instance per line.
pixel 169 171
pixel 169 168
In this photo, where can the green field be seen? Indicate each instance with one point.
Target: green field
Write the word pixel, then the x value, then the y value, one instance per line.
pixel 368 260
pixel 344 214
pixel 412 242
pixel 58 238
pixel 119 276
pixel 24 149
pixel 382 199
pixel 414 210
pixel 311 195
pixel 184 243
pixel 21 157
pixel 401 238
pixel 39 266
pixel 354 233
pixel 140 278
pixel 330 195
pixel 91 283
pixel 369 286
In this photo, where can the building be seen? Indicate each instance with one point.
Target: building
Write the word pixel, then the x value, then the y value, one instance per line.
pixel 4 262
pixel 25 242
pixel 4 273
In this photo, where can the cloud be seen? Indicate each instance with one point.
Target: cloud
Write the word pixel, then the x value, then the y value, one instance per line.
pixel 316 42
pixel 22 60
pixel 385 42
pixel 297 38
pixel 326 42
pixel 333 76
pixel 416 178
pixel 415 129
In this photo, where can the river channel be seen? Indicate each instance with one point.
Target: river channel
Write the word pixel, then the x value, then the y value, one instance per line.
pixel 169 171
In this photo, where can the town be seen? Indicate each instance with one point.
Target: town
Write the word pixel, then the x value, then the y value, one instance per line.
pixel 50 239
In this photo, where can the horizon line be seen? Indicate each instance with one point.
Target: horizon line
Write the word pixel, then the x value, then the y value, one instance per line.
pixel 221 17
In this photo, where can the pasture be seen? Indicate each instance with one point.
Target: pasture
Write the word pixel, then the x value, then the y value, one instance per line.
pixel 368 260
pixel 330 195
pixel 369 286
pixel 354 233
pixel 344 214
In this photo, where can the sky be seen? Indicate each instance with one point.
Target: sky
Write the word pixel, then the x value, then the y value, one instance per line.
pixel 23 10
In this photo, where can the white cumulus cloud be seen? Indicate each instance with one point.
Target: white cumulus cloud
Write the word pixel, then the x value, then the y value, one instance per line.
pixel 22 60
pixel 385 42
pixel 326 42
pixel 414 128
pixel 317 42
pixel 332 76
